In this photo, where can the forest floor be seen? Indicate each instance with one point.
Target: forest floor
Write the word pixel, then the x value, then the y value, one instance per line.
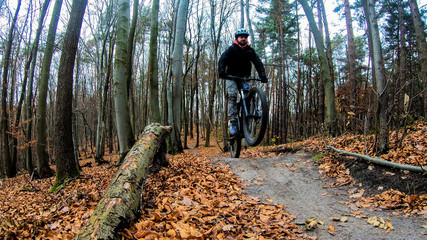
pixel 295 191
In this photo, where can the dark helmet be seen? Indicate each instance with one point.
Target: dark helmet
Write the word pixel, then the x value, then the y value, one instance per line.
pixel 240 32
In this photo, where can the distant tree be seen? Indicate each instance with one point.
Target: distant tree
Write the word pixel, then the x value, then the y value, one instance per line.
pixel 351 55
pixel 4 122
pixel 28 109
pixel 106 55
pixel 66 166
pixel 216 28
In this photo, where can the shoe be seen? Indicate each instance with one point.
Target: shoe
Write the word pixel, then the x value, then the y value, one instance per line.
pixel 233 128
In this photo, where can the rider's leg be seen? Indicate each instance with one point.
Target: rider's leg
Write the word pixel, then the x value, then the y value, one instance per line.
pixel 232 92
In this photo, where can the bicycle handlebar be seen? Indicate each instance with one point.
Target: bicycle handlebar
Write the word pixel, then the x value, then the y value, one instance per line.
pixel 229 77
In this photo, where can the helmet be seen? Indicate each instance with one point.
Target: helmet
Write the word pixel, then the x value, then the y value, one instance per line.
pixel 241 31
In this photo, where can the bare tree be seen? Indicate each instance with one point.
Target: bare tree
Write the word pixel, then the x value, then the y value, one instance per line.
pixel 131 47
pixel 121 71
pixel 4 126
pixel 325 69
pixel 177 77
pixel 153 64
pixel 43 168
pixel 66 166
pixel 380 76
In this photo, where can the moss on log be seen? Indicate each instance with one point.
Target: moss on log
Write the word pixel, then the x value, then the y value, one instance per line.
pixel 121 202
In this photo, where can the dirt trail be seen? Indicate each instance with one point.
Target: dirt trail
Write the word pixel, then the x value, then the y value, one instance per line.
pixel 293 180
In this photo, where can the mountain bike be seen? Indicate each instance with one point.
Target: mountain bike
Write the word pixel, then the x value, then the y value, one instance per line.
pixel 252 116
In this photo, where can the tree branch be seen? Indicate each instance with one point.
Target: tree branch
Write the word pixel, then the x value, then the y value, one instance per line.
pixel 379 161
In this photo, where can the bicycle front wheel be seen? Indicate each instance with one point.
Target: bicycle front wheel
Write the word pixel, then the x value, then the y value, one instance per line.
pixel 255 121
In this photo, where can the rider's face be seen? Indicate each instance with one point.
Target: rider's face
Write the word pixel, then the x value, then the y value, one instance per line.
pixel 242 40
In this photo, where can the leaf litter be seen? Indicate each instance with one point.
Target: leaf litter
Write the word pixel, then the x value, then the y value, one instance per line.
pixel 195 199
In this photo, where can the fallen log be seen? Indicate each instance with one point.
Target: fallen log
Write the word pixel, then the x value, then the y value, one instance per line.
pixel 121 202
pixel 379 161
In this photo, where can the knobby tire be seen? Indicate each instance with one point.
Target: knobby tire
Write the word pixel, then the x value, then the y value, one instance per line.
pixel 255 122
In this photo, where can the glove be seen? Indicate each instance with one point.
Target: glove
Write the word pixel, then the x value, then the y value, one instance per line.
pixel 264 78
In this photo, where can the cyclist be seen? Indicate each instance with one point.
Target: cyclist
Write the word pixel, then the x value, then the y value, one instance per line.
pixel 236 61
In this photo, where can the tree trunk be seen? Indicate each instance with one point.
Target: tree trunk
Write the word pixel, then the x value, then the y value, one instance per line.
pixel 379 71
pixel 325 70
pixel 102 108
pixel 29 164
pixel 131 41
pixel 43 168
pixel 242 14
pixel 402 56
pixel 121 202
pixel 120 91
pixel 28 110
pixel 13 88
pixel 177 77
pixel 66 167
pixel 248 20
pixel 153 64
pixel 422 49
pixel 4 123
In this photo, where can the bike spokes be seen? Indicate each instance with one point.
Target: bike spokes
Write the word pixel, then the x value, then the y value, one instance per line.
pixel 255 122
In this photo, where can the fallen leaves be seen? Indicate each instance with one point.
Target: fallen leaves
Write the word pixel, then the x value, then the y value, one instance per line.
pixel 381 223
pixel 395 200
pixel 193 199
pixel 39 214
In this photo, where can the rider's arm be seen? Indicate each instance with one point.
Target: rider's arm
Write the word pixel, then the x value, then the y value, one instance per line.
pixel 222 64
pixel 259 66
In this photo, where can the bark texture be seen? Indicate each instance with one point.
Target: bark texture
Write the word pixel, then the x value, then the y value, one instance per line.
pixel 66 166
pixel 121 202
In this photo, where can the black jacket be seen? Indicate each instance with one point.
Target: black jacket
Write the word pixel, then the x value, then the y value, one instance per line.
pixel 236 61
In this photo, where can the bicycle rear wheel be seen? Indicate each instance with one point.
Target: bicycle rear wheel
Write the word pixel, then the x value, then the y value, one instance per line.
pixel 235 146
pixel 255 122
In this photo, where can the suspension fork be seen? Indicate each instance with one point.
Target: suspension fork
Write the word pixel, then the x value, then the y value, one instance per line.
pixel 242 93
